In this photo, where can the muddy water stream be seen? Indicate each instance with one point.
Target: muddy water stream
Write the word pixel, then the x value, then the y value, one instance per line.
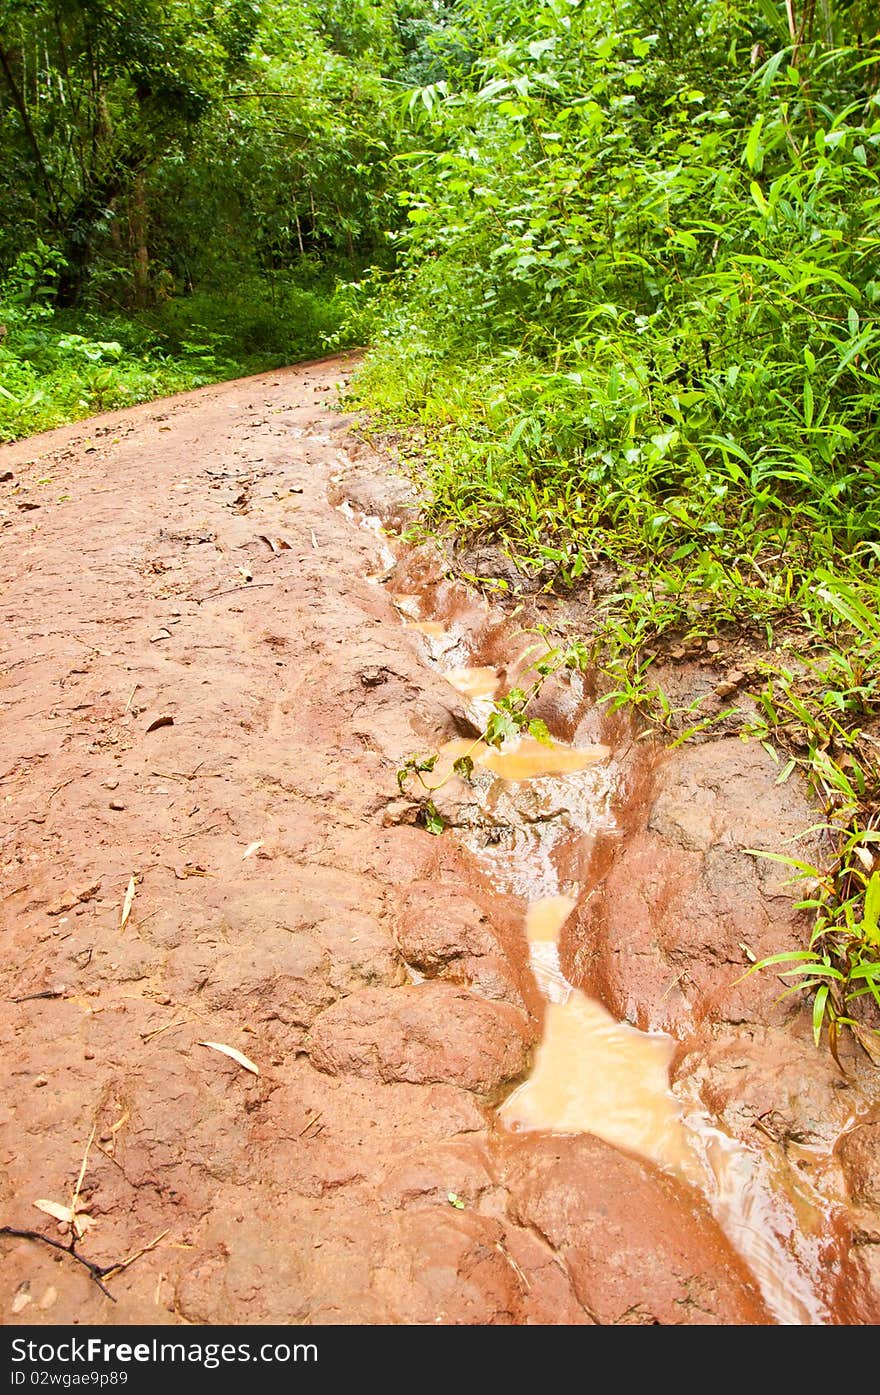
pixel 592 1073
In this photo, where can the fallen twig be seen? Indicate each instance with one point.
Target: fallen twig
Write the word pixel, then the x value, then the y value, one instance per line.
pixel 670 987
pixel 96 1271
pixel 230 590
pixel 60 787
pixel 209 828
pixel 82 1171
pixel 182 775
pixel 148 1036
pixel 145 1249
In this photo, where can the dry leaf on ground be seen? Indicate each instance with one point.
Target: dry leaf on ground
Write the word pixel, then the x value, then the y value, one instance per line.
pixel 235 1055
pixel 126 905
pixel 69 1215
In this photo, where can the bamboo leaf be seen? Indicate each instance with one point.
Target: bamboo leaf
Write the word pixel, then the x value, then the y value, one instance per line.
pixel 819 1003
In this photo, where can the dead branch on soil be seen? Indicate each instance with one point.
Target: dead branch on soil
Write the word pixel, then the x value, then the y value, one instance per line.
pixel 232 590
pixel 97 1272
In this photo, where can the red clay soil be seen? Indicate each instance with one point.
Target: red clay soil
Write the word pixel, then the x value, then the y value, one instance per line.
pixel 205 701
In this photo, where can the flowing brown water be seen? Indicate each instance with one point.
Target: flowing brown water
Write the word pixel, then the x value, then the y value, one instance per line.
pixel 524 758
pixel 427 627
pixel 592 1073
pixel 474 682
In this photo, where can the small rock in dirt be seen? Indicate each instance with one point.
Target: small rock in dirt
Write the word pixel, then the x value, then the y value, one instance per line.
pixel 713 646
pixel 41 1080
pixel 111 784
pixel 27 504
pixel 398 812
pixel 5 476
pixel 117 804
pixel 678 652
pixel 373 677
pixel 725 689
pixel 72 897
pixel 88 1055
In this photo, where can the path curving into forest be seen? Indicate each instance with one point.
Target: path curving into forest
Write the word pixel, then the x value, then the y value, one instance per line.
pixel 207 692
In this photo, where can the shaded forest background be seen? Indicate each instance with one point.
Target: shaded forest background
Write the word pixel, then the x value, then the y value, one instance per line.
pixel 184 185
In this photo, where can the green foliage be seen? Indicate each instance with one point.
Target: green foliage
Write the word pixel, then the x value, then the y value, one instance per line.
pixel 31 283
pixel 636 325
pixel 842 965
pixel 185 143
pixel 59 366
pixel 645 316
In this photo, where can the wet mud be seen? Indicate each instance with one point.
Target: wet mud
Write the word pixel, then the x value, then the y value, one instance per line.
pixel 508 1075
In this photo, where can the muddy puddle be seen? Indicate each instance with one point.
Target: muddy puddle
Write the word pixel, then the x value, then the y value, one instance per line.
pixel 515 761
pixel 532 805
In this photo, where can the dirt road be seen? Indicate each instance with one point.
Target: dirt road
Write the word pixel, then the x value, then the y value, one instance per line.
pixel 207 692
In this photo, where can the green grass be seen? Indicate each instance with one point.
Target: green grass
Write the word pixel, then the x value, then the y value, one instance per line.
pixel 60 367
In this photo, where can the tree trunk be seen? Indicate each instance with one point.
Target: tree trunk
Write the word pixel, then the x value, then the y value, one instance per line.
pixel 138 224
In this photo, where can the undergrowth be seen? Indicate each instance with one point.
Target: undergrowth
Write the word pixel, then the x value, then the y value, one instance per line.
pixel 59 366
pixel 635 343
